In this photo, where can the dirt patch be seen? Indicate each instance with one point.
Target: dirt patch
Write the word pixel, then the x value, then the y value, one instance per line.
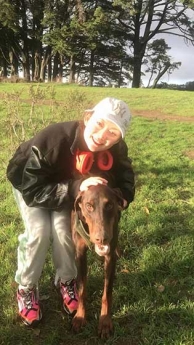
pixel 158 115
pixel 150 114
pixel 190 154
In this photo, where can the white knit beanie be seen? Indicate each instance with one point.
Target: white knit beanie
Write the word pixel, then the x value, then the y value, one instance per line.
pixel 113 110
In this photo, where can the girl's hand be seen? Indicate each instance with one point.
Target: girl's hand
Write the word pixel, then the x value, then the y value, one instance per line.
pixel 92 181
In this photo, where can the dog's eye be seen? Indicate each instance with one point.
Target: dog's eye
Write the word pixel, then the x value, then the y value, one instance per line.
pixel 89 207
pixel 108 206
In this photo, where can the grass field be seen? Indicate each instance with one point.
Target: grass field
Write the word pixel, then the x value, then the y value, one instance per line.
pixel 153 298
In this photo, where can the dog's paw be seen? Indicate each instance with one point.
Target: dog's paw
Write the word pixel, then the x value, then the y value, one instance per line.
pixel 105 327
pixel 78 322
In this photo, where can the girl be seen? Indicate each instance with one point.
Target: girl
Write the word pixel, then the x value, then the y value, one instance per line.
pixel 42 172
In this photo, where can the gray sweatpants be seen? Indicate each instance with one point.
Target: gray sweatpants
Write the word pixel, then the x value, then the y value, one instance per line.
pixel 43 227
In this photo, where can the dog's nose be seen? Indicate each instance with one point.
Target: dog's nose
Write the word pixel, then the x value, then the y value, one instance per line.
pixel 101 239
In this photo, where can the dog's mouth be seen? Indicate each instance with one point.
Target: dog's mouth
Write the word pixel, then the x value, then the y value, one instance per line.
pixel 102 250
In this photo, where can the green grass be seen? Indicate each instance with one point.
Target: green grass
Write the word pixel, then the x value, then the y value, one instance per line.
pixel 153 298
pixel 166 101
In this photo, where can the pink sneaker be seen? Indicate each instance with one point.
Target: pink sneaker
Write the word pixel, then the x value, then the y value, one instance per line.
pixel 70 297
pixel 28 304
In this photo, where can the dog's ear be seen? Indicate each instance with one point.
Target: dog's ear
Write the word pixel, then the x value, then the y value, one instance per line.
pixel 121 206
pixel 119 197
pixel 77 201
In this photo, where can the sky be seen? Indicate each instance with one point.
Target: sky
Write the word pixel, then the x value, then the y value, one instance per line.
pixel 180 51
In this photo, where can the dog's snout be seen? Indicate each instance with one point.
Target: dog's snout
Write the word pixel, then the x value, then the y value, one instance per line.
pixel 101 238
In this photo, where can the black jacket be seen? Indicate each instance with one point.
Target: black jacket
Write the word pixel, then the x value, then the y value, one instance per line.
pixel 43 168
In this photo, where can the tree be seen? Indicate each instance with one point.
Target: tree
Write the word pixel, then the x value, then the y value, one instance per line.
pixel 158 62
pixel 189 86
pixel 89 41
pixel 97 41
pixel 21 21
pixel 59 36
pixel 8 40
pixel 149 18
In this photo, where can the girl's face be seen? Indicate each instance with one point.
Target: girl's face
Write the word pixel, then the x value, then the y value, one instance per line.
pixel 100 134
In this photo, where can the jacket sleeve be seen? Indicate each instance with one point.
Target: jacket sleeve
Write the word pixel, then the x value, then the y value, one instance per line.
pixel 38 190
pixel 125 177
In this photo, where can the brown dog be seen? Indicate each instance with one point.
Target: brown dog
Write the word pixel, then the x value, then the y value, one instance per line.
pixel 95 221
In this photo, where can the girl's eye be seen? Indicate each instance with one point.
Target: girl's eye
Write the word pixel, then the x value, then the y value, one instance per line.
pixel 113 134
pixel 99 123
pixel 89 207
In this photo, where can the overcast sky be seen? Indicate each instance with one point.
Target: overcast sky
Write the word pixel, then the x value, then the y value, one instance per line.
pixel 180 51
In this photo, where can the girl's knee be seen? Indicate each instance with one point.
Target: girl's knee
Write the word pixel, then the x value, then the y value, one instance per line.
pixel 40 234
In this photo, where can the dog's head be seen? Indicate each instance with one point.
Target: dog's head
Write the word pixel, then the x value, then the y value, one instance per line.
pixel 99 207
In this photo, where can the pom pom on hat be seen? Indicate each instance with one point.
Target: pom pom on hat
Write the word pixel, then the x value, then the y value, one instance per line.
pixel 113 110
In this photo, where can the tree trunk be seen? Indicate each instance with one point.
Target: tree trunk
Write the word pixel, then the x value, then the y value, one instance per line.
pixel 72 70
pixel 150 78
pixel 60 74
pixel 91 76
pixel 55 67
pixel 49 70
pixel 26 66
pixel 3 72
pixel 120 74
pixel 45 60
pixel 24 38
pixel 13 64
pixel 160 74
pixel 37 66
pixel 81 13
pixel 137 71
pixel 33 63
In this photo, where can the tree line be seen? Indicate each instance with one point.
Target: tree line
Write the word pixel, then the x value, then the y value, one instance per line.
pixel 98 42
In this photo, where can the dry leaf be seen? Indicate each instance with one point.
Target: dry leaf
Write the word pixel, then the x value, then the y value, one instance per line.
pixel 124 271
pixel 160 288
pixel 146 210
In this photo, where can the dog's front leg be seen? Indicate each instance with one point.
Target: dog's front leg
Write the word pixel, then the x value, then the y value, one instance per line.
pixel 79 319
pixel 105 322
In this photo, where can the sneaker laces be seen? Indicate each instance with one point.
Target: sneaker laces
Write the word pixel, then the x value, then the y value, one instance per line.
pixel 28 298
pixel 70 289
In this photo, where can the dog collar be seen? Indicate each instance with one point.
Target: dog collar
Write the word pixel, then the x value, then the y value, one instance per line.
pixel 82 232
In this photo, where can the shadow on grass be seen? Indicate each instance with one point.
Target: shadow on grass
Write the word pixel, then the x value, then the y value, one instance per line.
pixel 153 299
pixel 143 313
